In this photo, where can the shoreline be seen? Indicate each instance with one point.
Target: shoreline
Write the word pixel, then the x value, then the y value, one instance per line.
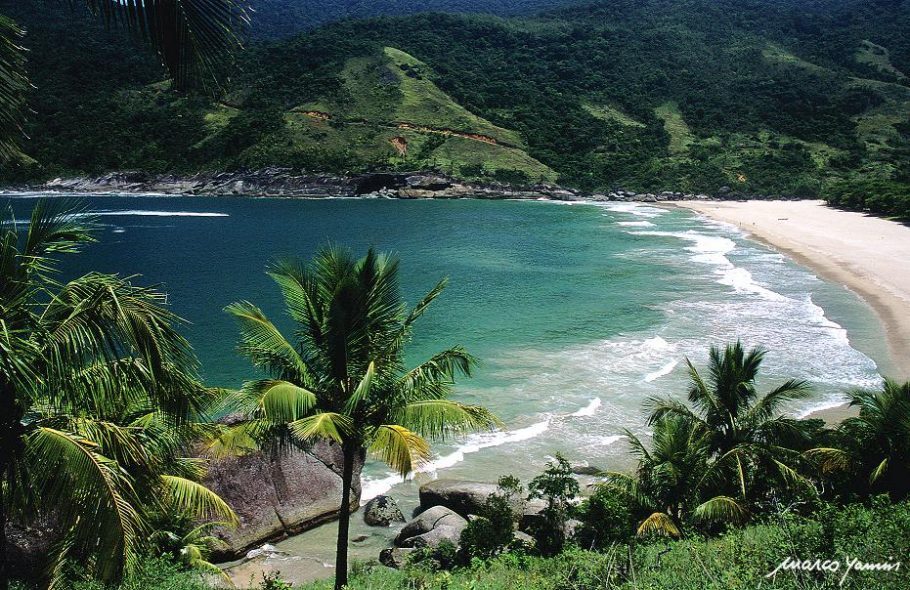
pixel 868 255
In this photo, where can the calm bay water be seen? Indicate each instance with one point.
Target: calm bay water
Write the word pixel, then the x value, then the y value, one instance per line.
pixel 578 313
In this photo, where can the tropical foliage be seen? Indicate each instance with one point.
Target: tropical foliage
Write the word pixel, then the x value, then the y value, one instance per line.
pixel 870 453
pixel 882 197
pixel 342 377
pixel 725 455
pixel 100 403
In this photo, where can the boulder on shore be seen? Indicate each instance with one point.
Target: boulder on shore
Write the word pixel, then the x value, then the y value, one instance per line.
pixel 437 517
pixel 463 497
pixel 279 495
pixel 382 511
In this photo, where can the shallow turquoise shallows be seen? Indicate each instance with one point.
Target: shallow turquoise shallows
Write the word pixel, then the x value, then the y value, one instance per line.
pixel 578 313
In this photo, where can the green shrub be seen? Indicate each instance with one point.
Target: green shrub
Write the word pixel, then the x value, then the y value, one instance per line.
pixel 493 530
pixel 607 519
pixel 558 486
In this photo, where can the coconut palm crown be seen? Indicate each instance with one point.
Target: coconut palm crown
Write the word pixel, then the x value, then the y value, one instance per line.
pixel 711 458
pixel 342 377
pixel 877 442
pixel 98 402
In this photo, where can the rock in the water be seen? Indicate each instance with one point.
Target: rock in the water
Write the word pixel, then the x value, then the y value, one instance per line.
pixel 395 557
pixel 437 516
pixel 275 496
pixel 464 497
pixel 585 469
pixel 382 511
pixel 264 551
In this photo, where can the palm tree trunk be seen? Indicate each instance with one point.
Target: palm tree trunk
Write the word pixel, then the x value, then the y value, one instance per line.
pixel 344 517
pixel 7 434
pixel 4 575
pixel 10 443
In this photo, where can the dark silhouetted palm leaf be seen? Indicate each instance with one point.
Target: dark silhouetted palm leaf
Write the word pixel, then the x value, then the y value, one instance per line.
pixel 191 38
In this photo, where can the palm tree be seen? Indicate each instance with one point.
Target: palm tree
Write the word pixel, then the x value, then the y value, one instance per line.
pixel 343 376
pixel 875 446
pixel 98 398
pixel 189 36
pixel 671 482
pixel 746 433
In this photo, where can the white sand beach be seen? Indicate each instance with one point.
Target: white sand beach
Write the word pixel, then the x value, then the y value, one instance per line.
pixel 869 255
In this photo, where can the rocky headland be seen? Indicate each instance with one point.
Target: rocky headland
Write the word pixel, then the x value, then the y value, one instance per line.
pixel 282 182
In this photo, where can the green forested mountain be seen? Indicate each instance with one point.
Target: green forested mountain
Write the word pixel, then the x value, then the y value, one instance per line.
pixel 277 19
pixel 763 96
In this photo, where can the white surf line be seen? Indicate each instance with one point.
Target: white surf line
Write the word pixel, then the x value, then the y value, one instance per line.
pixel 154 213
pixel 665 370
pixel 475 443
pixel 588 410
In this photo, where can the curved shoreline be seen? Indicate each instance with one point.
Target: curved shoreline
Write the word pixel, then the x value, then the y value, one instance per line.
pixel 869 255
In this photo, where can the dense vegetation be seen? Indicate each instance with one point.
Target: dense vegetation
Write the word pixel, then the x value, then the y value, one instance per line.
pixel 882 197
pixel 275 19
pixel 774 98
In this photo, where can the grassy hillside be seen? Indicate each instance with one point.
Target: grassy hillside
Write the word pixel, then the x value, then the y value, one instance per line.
pixel 384 111
pixel 778 97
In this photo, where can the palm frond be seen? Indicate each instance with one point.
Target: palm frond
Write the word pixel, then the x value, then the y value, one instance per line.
pixel 263 344
pixel 439 418
pixel 324 425
pixel 192 498
pixel 190 36
pixel 829 459
pixel 281 401
pixel 81 486
pixel 879 470
pixel 721 509
pixel 236 439
pixel 400 448
pixel 433 378
pixel 767 406
pixel 659 523
pixel 13 88
pixel 362 391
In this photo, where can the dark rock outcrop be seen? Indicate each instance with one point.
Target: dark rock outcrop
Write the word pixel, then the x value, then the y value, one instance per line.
pixel 463 497
pixel 284 182
pixel 382 511
pixel 280 495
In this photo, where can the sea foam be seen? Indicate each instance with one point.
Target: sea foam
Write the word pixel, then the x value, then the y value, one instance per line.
pixel 153 213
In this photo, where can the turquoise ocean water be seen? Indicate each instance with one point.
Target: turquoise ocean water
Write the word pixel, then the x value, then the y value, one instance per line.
pixel 578 312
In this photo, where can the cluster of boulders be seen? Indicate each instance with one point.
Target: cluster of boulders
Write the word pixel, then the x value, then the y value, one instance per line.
pixel 446 508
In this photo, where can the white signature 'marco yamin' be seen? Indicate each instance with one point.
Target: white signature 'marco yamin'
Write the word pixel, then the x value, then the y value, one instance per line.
pixel 833 566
